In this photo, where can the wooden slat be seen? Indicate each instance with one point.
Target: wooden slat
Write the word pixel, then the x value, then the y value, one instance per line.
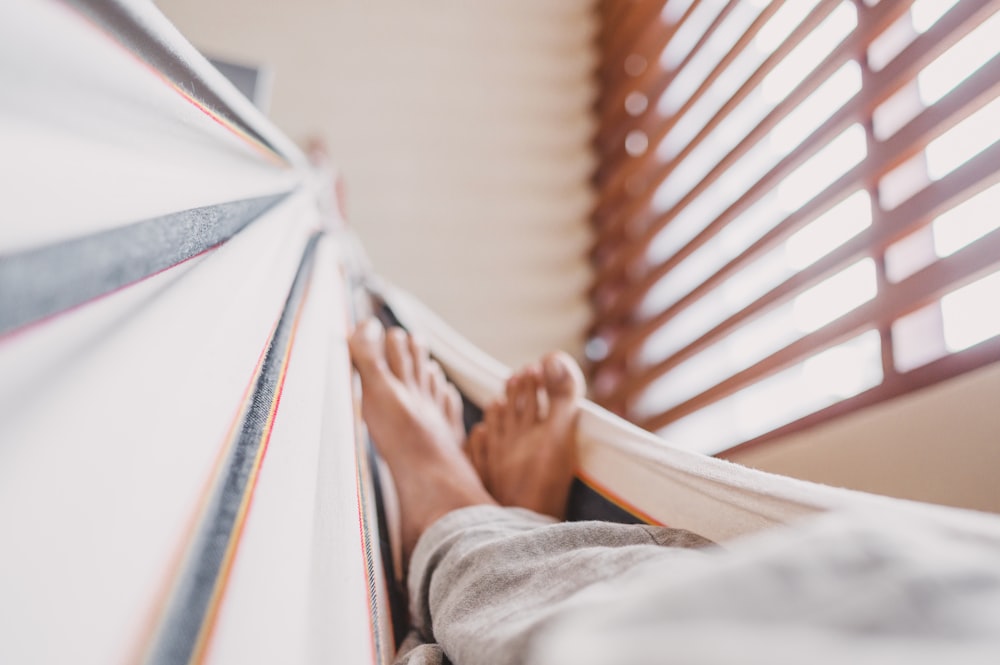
pixel 635 205
pixel 633 18
pixel 920 289
pixel 612 13
pixel 924 49
pixel 944 368
pixel 887 348
pixel 650 45
pixel 919 210
pixel 608 14
pixel 626 225
pixel 614 189
pixel 857 42
pixel 625 37
pixel 899 71
pixel 620 118
pixel 616 158
pixel 973 93
pixel 617 22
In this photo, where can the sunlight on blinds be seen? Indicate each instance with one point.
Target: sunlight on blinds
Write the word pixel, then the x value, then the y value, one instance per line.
pixel 816 181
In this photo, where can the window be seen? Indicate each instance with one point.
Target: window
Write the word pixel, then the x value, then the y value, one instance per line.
pixel 798 210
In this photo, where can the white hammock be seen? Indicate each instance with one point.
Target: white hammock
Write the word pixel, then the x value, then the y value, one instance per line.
pixel 652 478
pixel 183 478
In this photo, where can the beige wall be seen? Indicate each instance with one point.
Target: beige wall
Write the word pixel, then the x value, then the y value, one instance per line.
pixel 941 444
pixel 462 131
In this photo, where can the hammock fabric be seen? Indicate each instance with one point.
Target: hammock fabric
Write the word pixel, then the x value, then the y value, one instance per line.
pixel 650 479
pixel 184 477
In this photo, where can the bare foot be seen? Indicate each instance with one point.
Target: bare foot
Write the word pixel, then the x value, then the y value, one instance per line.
pixel 414 417
pixel 524 450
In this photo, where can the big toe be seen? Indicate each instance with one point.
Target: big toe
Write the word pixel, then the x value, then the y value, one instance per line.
pixel 367 347
pixel 562 378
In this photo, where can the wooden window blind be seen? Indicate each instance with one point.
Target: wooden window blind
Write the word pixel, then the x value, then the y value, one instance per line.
pixel 798 210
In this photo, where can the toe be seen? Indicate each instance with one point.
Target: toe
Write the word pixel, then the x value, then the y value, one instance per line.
pixel 510 388
pixel 453 406
pixel 515 403
pixel 367 348
pixel 421 362
pixel 398 355
pixel 436 383
pixel 494 419
pixel 562 379
pixel 528 414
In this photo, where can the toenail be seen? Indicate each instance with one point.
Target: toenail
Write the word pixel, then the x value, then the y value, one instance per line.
pixel 555 368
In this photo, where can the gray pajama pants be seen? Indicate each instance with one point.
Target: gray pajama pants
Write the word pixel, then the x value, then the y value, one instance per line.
pixel 493 585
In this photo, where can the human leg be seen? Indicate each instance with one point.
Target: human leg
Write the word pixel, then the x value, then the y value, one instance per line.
pixel 413 418
pixel 522 568
pixel 486 581
pixel 483 579
pixel 501 585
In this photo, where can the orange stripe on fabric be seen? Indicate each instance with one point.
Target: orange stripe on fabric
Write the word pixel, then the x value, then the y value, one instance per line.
pixel 616 499
pixel 169 580
pixel 222 581
pixel 365 545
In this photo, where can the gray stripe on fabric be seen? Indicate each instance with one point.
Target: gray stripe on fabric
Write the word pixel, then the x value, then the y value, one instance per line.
pixel 41 282
pixel 189 605
pixel 120 19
